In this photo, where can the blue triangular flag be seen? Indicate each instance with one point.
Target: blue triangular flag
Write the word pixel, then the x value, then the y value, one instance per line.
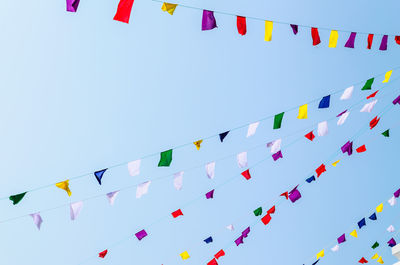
pixel 361 223
pixel 208 240
pixel 315 262
pixel 223 135
pixel 324 103
pixel 373 217
pixel 310 179
pixel 99 174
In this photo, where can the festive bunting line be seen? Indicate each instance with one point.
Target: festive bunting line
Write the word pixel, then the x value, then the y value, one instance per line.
pixel 64 185
pixel 209 23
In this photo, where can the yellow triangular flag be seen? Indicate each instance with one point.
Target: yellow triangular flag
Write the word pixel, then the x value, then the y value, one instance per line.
pixel 380 260
pixel 335 163
pixel 321 254
pixel 268 30
pixel 387 76
pixel 303 112
pixel 379 208
pixel 354 233
pixel 333 39
pixel 64 185
pixel 197 144
pixel 184 255
pixel 375 256
pixel 168 7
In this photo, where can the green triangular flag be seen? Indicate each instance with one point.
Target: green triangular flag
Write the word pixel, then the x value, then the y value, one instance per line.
pixel 386 133
pixel 278 120
pixel 375 245
pixel 17 198
pixel 368 84
pixel 258 211
pixel 165 158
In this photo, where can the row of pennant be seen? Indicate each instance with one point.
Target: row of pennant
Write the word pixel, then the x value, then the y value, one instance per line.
pixel 209 22
pixel 166 156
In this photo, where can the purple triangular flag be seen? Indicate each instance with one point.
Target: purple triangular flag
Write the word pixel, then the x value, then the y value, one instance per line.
pixel 277 155
pixel 141 234
pixel 348 147
pixel 384 41
pixel 239 241
pixel 392 242
pixel 341 113
pixel 295 28
pixel 350 41
pixel 208 21
pixel 210 194
pixel 396 101
pixel 72 5
pixel 246 232
pixel 396 193
pixel 341 239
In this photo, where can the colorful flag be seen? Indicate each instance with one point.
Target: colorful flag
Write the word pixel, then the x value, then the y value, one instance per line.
pixel 343 118
pixel 361 149
pixel 37 219
pixel 239 241
pixel 387 76
pixel 64 185
pixel 252 129
pixel 266 219
pixel 242 159
pixel 392 201
pixel 374 122
pixel 335 248
pixel 230 227
pixel 380 258
pixel 373 94
pixel 347 148
pixel 370 39
pixel 321 169
pixel 368 84
pixel 210 194
pixel 271 210
pixel 333 38
pixel 241 25
pixel 246 174
pixel 373 217
pixel 277 155
pixel 184 255
pixel 198 144
pixel 390 229
pixel 268 30
pixel 397 39
pixel 396 193
pixel 363 260
pixel 275 145
pixel 369 106
pixel 320 254
pixel 354 233
pixel 294 195
pixel 375 245
pixel 286 194
pixel 384 41
pixel 111 196
pixel 350 41
pixel 222 136
pixel 208 21
pixel 168 7
pixel 375 256
pixel 258 211
pixel 310 179
pixel 392 242
pixel 335 163
pixel 315 36
pixel 75 209
pixel 324 103
pixel 72 5
pixel 379 208
pixel 178 180
pixel 295 28
pixel 17 198
pixel 396 101
pixel 134 167
pixel 103 254
pixel 302 112
pixel 142 189
pixel 347 93
pixel 99 175
pixel 141 234
pixel 246 232
pixel 208 240
pixel 386 133
pixel 219 254
pixel 177 213
pixel 323 128
pixel 278 120
pixel 361 223
pixel 124 11
pixel 210 170
pixel 341 239
pixel 310 136
pixel 165 158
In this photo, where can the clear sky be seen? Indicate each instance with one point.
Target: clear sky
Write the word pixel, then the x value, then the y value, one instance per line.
pixel 81 92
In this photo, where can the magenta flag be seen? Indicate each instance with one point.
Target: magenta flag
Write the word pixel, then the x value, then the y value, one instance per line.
pixel 277 155
pixel 348 148
pixel 350 41
pixel 239 241
pixel 383 46
pixel 341 239
pixel 396 100
pixel 397 193
pixel 208 21
pixel 294 194
pixel 295 28
pixel 210 194
pixel 72 5
pixel 246 232
pixel 141 234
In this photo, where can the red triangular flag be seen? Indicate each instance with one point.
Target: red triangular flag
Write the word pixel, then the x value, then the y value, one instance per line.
pixel 315 36
pixel 246 174
pixel 321 169
pixel 266 219
pixel 310 136
pixel 212 262
pixel 286 194
pixel 374 122
pixel 361 149
pixel 103 254
pixel 397 39
pixel 370 39
pixel 241 25
pixel 272 210
pixel 219 254
pixel 124 11
pixel 372 95
pixel 177 213
pixel 362 260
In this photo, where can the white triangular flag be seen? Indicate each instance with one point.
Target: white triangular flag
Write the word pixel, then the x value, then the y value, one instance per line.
pixel 230 227
pixel 111 196
pixel 392 201
pixel 275 145
pixel 178 180
pixel 210 170
pixel 37 219
pixel 242 159
pixel 252 129
pixel 390 229
pixel 343 118
pixel 335 248
pixel 369 106
pixel 134 167
pixel 142 189
pixel 323 128
pixel 75 209
pixel 348 92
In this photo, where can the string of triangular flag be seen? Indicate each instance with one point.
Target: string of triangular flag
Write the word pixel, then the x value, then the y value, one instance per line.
pixel 166 156
pixel 209 22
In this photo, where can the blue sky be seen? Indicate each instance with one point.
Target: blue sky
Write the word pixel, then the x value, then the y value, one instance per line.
pixel 82 92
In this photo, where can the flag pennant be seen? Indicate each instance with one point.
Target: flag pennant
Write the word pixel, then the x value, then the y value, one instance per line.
pixel 390 229
pixel 266 219
pixel 361 149
pixel 295 28
pixel 271 210
pixel 210 194
pixel 350 41
pixel 374 122
pixel 383 46
pixel 134 167
pixel 302 112
pixel 315 36
pixel 178 180
pixel 75 209
pixel 392 201
pixel 72 5
pixel 333 38
pixel 219 254
pixel 142 189
pixel 386 133
pixel 396 193
pixel 239 241
pixel 208 21
pixel 379 208
pixel 278 120
pixel 17 198
pixel 310 179
pixel 269 25
pixel 222 136
pixel 210 170
pixel 321 254
pixel 396 101
pixel 347 148
pixel 323 128
pixel 397 39
pixel 373 94
pixel 347 93
pixel 373 217
pixel 277 155
pixel 165 158
pixel 168 7
pixel 375 245
pixel 380 260
pixel 241 25
pixel 208 240
pixel 315 262
pixel 335 163
pixel 64 185
pixel 341 239
pixel 177 213
pixel 341 113
pixel 246 174
pixel 258 211
pixel 141 234
pixel 37 219
pixel 294 195
pixel 242 159
pixel 375 256
pixel 343 118
pixel 335 248
pixel 321 169
pixel 286 194
pixel 252 129
pixel 369 106
pixel 99 175
pixel 111 196
pixel 363 260
pixel 124 11
pixel 369 41
pixel 275 145
pixel 310 136
pixel 392 242
pixel 354 233
pixel 198 144
pixel 246 232
pixel 184 255
pixel 361 223
pixel 230 227
pixel 103 254
pixel 325 102
pixel 368 84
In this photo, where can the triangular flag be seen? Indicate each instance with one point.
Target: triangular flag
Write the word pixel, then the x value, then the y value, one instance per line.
pixel 210 170
pixel 75 209
pixel 374 122
pixel 275 145
pixel 373 94
pixel 310 136
pixel 230 227
pixel 392 242
pixel 99 175
pixel 271 210
pixel 17 198
pixel 335 163
pixel 323 128
pixel 396 101
pixel 258 211
pixel 124 11
pixel 369 106
pixel 375 245
pixel 390 229
pixel 37 219
pixel 242 159
pixel 347 148
pixel 387 76
pixel 142 189
pixel 315 262
pixel 386 133
pixel 210 194
pixel 178 180
pixel 278 120
pixel 269 25
pixel 302 112
pixel 177 213
pixel 111 196
pixel 321 254
pixel 341 239
pixel 223 135
pixel 246 174
pixel 361 149
pixel 363 260
pixel 219 254
pixel 295 28
pixel 170 8
pixel 380 258
pixel 335 248
pixel 208 21
pixel 379 208
pixel 383 46
pixel 321 169
pixel 351 40
pixel 361 223
pixel 348 92
pixel 392 201
pixel 373 217
pixel 252 129
pixel 165 158
pixel 208 240
pixel 266 219
pixel 343 118
pixel 354 233
pixel 239 241
pixel 368 84
pixel 333 38
pixel 134 167
pixel 286 194
pixel 198 144
pixel 64 185
pixel 103 254
pixel 72 5
pixel 375 256
pixel 246 232
pixel 325 102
